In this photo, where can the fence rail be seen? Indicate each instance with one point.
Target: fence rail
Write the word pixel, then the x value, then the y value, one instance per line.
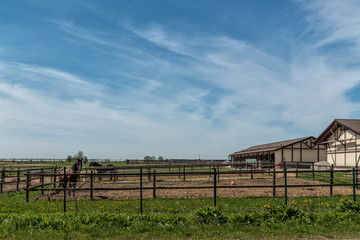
pixel 209 176
pixel 274 182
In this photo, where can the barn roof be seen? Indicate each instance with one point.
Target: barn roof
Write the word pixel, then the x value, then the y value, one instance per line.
pixel 351 124
pixel 272 146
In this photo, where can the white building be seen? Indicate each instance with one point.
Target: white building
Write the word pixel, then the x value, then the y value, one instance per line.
pixel 293 150
pixel 342 141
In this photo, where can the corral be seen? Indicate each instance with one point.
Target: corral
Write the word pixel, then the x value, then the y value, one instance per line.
pixel 184 181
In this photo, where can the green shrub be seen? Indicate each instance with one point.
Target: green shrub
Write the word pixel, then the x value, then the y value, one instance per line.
pixel 210 215
pixel 348 205
pixel 282 212
pixel 245 219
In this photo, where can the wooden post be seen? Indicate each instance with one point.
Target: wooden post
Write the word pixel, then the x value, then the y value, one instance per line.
pixel 54 170
pixel 297 169
pixel 141 191
pixel 331 179
pixel 251 171
pixel 65 183
pixel 357 177
pixel 2 180
pixel 214 187
pixel 285 185
pixel 115 172
pixel 313 172
pixel 354 189
pixel 274 182
pixel 42 181
pixel 91 185
pixel 149 173
pixel 184 172
pixel 27 185
pixel 52 176
pixel 154 184
pixel 17 179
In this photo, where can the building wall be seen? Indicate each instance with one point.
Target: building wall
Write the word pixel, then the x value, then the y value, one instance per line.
pixel 294 155
pixel 345 152
pixel 305 154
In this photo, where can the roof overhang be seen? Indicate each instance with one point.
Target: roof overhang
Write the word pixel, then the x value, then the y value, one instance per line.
pixel 321 139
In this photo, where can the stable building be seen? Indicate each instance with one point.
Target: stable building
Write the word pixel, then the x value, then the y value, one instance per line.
pixel 342 141
pixel 293 150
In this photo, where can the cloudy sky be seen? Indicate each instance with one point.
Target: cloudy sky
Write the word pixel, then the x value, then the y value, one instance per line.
pixel 180 79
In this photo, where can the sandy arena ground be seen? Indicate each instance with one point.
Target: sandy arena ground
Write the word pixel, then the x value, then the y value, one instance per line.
pixel 192 181
pixel 203 192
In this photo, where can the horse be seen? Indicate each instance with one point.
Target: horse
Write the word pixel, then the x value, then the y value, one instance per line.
pixel 104 169
pixel 71 175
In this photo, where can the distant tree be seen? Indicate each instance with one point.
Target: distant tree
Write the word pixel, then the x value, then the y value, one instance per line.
pixel 69 158
pixel 153 158
pixel 161 158
pixel 147 157
pixel 80 154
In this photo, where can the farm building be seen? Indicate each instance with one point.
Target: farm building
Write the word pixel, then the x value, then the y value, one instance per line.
pixel 342 141
pixel 294 150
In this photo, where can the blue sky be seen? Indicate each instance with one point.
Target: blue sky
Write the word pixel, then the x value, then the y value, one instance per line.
pixel 180 79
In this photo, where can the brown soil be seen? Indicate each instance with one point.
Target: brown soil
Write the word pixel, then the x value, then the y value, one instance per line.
pixel 232 192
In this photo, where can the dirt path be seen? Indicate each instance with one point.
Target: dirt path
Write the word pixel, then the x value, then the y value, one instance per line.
pixel 202 192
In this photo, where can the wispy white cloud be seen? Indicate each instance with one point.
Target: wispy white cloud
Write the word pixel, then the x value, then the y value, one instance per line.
pixel 338 20
pixel 157 35
pixel 263 88
pixel 187 96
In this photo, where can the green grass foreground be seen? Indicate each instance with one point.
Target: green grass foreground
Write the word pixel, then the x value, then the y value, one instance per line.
pixel 241 218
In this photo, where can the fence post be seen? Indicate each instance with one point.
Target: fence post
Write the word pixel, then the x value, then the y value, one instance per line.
pixel 154 184
pixel 285 185
pixel 274 182
pixel 149 173
pixel 354 191
pixel 214 187
pixel 331 179
pixel 141 192
pixel 297 169
pixel 65 183
pixel 313 172
pixel 54 176
pixel 184 173
pixel 251 171
pixel 42 182
pixel 17 179
pixel 27 185
pixel 91 185
pixel 357 178
pixel 115 172
pixel 2 180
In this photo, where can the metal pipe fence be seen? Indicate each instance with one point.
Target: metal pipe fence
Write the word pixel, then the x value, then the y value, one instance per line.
pixel 199 179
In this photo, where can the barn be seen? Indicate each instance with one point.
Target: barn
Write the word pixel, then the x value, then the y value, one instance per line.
pixel 293 150
pixel 342 141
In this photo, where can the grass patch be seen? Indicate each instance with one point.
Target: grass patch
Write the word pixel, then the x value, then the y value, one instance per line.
pixel 243 218
pixel 275 222
pixel 339 177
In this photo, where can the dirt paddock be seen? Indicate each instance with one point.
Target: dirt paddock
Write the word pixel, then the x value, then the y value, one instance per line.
pixel 201 192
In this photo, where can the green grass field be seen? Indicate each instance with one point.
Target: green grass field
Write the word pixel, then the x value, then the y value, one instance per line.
pixel 240 218
pixel 233 218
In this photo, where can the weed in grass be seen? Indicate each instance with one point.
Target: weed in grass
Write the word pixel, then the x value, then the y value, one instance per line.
pixel 210 215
